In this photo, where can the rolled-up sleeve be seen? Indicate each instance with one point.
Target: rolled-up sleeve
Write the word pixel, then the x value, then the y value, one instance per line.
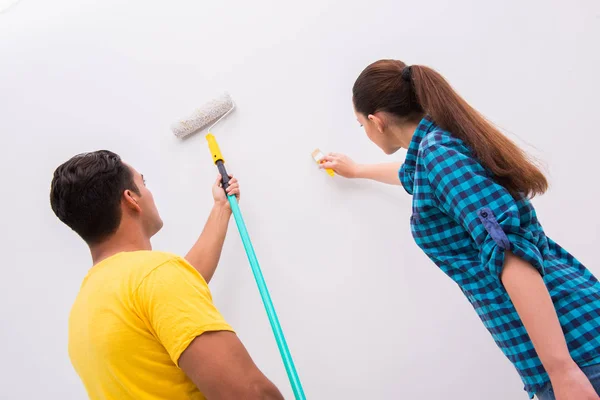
pixel 486 210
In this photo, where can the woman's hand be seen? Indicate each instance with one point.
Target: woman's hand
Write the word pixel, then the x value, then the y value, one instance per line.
pixel 219 194
pixel 341 164
pixel 344 166
pixel 572 384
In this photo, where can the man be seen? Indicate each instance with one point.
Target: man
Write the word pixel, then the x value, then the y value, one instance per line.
pixel 143 325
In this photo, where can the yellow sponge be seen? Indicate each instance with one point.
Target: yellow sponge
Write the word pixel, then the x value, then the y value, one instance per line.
pixel 318 156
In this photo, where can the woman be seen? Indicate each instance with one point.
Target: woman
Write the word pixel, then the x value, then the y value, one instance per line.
pixel 473 217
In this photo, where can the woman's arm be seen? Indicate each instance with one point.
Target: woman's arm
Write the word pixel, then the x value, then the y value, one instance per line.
pixel 344 166
pixel 492 217
pixel 533 303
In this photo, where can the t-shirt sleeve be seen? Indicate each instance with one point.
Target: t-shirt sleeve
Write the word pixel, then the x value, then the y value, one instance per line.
pixel 483 207
pixel 177 306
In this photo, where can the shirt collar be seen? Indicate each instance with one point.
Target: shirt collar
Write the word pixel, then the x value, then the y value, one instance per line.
pixel 407 171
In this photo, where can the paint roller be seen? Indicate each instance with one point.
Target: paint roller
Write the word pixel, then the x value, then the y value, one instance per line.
pixel 213 112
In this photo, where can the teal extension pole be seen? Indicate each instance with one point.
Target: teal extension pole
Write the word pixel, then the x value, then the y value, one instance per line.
pixel 286 356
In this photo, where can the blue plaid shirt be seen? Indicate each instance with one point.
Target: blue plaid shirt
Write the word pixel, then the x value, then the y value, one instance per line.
pixel 464 221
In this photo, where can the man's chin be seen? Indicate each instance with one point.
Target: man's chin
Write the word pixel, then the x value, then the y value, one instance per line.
pixel 157 228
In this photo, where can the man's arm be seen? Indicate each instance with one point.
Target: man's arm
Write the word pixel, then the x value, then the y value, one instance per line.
pixel 220 366
pixel 206 252
pixel 177 305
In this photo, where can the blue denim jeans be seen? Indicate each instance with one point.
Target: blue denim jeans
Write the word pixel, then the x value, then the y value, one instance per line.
pixel 593 374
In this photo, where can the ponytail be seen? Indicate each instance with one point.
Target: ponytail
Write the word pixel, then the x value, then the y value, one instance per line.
pixel 495 151
pixel 384 87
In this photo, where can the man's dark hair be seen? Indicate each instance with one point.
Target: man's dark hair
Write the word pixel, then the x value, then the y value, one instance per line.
pixel 86 193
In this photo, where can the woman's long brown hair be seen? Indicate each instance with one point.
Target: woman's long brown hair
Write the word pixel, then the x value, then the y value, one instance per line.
pixel 382 87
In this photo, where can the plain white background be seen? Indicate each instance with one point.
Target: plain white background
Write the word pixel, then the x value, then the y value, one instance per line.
pixel 366 314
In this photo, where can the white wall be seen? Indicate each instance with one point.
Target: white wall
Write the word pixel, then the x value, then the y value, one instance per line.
pixel 371 320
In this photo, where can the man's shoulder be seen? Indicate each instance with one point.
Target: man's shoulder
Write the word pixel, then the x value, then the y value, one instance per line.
pixel 133 267
pixel 145 262
pixel 162 265
pixel 153 258
pixel 147 258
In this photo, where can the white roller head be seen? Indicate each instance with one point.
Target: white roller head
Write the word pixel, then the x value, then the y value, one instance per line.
pixel 203 116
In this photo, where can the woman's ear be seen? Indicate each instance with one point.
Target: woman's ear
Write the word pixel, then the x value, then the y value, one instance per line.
pixel 378 121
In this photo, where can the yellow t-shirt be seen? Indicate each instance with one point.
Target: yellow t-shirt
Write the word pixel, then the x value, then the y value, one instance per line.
pixel 135 313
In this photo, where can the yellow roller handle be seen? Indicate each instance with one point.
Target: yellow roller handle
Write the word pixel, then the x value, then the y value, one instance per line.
pixel 215 151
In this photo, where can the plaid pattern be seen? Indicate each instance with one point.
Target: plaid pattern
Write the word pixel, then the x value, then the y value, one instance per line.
pixel 464 221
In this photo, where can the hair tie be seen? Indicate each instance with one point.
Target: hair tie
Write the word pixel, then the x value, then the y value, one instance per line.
pixel 406 73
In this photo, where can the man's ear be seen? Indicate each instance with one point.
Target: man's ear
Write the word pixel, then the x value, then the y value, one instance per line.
pixel 379 121
pixel 131 201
